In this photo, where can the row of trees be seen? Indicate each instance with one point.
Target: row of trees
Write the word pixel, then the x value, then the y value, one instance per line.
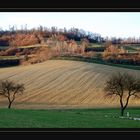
pixel 41 33
pixel 59 45
pixel 20 39
pixel 119 55
pixel 129 40
pixel 56 45
pixel 25 36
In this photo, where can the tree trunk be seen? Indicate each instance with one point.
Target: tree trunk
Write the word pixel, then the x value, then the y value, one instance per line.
pixel 9 106
pixel 124 107
pixel 122 111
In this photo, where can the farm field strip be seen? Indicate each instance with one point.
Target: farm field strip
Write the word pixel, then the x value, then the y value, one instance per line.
pixel 63 82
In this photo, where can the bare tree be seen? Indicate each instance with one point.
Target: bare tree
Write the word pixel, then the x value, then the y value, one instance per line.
pixel 9 89
pixel 123 85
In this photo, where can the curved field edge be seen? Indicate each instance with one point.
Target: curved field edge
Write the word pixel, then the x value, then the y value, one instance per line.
pixel 63 84
pixel 96 60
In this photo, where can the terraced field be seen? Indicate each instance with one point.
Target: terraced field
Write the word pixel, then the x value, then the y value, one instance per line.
pixel 63 84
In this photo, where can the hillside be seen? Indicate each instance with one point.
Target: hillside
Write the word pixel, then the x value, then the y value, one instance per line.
pixel 62 83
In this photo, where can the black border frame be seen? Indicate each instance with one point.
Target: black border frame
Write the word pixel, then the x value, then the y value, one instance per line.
pixel 70 6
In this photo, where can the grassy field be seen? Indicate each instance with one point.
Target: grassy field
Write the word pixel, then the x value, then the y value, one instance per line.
pixel 129 48
pixel 96 45
pixel 98 61
pixel 23 47
pixel 132 48
pixel 70 118
pixel 8 57
pixel 31 46
pixel 4 47
pixel 63 83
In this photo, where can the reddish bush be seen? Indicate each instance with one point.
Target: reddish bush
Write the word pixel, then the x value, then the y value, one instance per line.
pixel 11 51
pixel 24 40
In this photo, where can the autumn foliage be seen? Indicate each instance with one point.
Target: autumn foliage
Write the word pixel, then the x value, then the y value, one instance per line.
pixel 53 42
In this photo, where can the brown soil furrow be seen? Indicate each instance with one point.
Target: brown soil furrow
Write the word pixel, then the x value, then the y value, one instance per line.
pixel 63 82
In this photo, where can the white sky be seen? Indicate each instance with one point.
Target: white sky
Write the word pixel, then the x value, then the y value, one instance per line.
pixel 111 24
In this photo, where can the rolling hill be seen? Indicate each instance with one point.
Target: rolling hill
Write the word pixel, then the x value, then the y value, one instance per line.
pixel 63 84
